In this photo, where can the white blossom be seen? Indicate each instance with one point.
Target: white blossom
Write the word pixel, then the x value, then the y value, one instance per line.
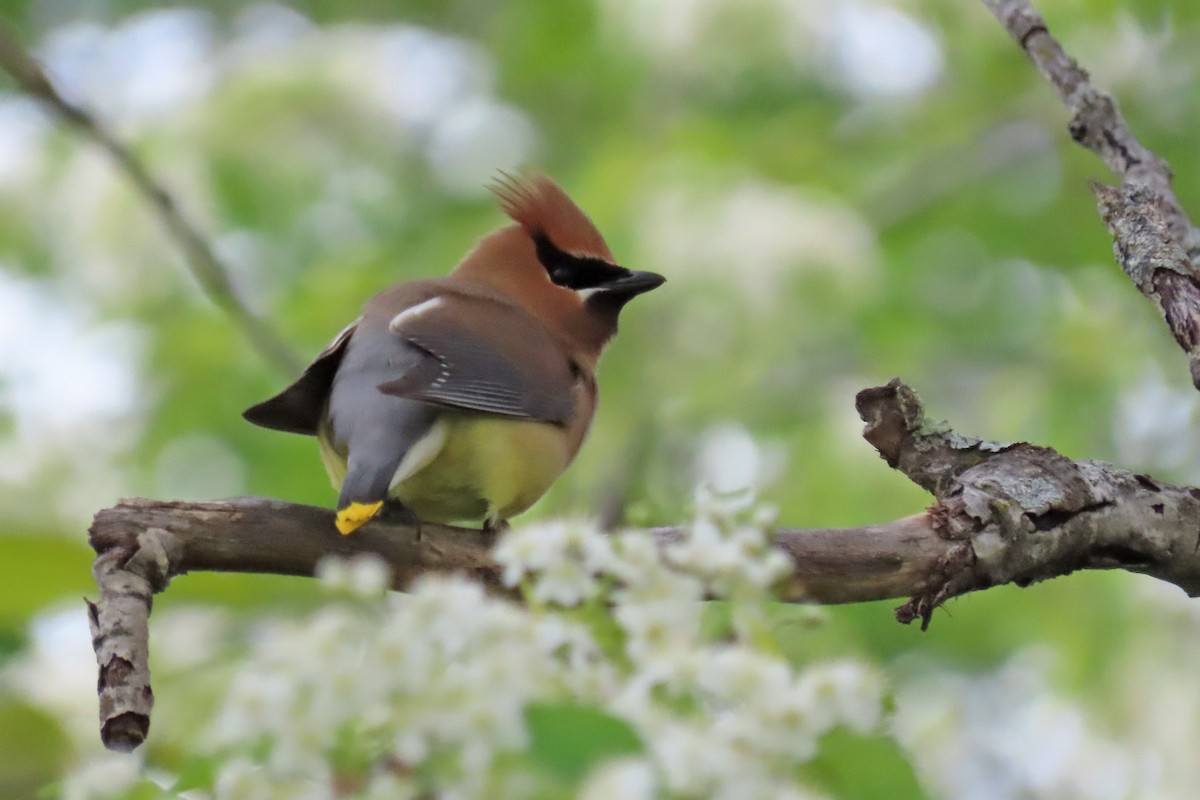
pixel 621 779
pixel 561 559
pixel 1005 734
pixel 105 777
pixel 846 692
pixel 364 575
pixel 390 786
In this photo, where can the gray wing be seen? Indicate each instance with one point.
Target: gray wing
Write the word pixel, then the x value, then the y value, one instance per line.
pixel 298 408
pixel 484 356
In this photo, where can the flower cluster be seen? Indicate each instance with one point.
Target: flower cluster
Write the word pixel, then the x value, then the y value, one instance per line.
pixel 434 684
pixel 726 718
pixel 1006 733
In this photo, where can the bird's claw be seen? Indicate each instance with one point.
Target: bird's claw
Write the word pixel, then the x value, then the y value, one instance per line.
pixel 495 525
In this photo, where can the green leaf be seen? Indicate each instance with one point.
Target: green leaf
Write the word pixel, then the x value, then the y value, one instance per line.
pixel 147 790
pixel 33 748
pixel 197 773
pixel 853 767
pixel 606 633
pixel 568 740
pixel 38 570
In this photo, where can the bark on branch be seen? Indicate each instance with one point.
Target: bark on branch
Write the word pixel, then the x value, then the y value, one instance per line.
pixel 1022 513
pixel 1004 513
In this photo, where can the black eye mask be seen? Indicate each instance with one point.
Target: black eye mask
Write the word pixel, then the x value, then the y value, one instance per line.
pixel 575 272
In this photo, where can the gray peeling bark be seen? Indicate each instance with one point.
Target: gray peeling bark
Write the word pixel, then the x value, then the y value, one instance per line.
pixel 1021 513
pixel 1004 513
pixel 1154 261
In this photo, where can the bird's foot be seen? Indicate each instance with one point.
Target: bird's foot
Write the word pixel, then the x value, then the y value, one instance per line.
pixel 355 515
pixel 397 512
pixel 495 525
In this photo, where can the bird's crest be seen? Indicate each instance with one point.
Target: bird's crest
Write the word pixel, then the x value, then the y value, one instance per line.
pixel 542 208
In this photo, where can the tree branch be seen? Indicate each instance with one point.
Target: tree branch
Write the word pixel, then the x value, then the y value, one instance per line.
pixel 1004 513
pixel 212 274
pixel 1154 240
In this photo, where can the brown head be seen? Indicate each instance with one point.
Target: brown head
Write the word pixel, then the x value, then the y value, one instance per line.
pixel 555 264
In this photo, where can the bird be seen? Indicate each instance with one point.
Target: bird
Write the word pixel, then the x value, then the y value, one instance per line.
pixel 463 398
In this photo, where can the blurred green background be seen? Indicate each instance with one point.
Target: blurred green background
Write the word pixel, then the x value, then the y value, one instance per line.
pixel 838 192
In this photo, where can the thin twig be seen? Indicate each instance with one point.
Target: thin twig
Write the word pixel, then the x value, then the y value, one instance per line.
pixel 1154 240
pixel 1096 121
pixel 210 272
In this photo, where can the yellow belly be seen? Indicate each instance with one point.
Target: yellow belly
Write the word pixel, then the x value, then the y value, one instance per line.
pixel 487 468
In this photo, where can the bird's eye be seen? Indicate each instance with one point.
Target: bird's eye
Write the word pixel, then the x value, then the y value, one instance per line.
pixel 560 275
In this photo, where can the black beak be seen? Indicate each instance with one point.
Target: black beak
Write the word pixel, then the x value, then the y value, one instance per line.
pixel 633 283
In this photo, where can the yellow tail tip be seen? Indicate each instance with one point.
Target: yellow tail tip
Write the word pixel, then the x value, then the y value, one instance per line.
pixel 353 516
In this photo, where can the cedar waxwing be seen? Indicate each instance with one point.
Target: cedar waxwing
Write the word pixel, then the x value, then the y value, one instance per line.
pixel 463 398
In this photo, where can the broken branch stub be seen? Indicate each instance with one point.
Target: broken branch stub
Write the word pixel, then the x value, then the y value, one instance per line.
pixel 1020 513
